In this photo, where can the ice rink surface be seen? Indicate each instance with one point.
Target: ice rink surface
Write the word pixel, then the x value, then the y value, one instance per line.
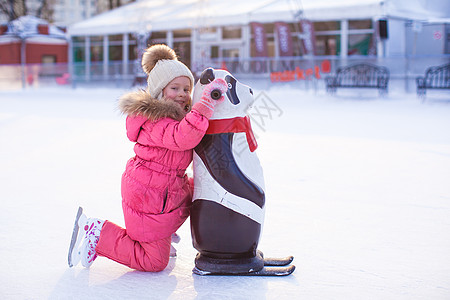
pixel 357 191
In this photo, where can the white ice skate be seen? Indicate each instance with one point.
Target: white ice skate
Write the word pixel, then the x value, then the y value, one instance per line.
pixel 85 235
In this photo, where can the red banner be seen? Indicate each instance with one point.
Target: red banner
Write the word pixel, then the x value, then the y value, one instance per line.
pixel 309 40
pixel 284 39
pixel 260 39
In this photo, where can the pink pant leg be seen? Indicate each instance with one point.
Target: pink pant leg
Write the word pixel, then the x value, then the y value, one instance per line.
pixel 115 244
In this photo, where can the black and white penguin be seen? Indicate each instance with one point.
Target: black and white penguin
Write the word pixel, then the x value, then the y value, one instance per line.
pixel 227 213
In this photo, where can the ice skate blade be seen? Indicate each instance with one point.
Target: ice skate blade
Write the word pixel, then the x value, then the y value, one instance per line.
pixel 74 257
pixel 273 261
pixel 266 271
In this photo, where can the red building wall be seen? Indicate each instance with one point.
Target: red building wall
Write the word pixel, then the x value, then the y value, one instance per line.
pixel 10 53
pixel 35 52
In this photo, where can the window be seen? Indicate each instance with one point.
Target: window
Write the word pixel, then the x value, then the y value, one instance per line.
pixel 132 52
pixel 115 47
pixel 78 54
pixel 157 37
pixel 116 37
pixel 96 48
pixel 183 50
pixel 78 39
pixel 96 53
pixel 360 24
pixel 115 52
pixel 360 37
pixel 186 33
pixel 132 47
pixel 328 39
pixel 78 48
pixel 207 34
pixel 231 33
pixel 214 51
pixel 48 59
pixel 328 45
pixel 297 46
pixel 327 26
pixel 359 44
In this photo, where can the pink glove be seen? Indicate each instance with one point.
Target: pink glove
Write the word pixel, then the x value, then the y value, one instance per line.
pixel 206 104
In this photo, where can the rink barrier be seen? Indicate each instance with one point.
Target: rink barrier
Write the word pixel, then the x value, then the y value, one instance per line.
pixel 306 73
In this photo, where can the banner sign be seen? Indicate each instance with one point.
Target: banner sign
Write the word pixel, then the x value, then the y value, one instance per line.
pixel 260 38
pixel 302 74
pixel 309 40
pixel 284 39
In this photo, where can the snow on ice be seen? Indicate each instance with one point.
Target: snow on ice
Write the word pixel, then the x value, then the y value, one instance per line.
pixel 357 190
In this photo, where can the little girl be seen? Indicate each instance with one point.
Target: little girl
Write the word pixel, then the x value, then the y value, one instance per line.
pixel 156 194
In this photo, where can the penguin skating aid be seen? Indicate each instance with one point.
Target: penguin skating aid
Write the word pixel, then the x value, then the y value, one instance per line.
pixel 229 200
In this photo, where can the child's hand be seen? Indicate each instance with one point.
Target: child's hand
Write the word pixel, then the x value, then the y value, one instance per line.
pixel 219 86
pixel 214 93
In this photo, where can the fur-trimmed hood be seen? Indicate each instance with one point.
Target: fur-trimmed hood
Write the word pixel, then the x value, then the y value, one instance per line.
pixel 140 107
pixel 140 103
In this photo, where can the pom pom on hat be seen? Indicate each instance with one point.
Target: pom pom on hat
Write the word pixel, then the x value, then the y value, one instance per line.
pixel 154 54
pixel 162 66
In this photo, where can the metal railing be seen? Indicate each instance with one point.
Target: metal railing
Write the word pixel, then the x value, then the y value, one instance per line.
pixel 306 71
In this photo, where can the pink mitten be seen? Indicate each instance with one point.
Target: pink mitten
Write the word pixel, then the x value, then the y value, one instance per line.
pixel 206 104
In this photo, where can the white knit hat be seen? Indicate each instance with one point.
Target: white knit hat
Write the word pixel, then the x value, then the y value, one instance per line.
pixel 162 66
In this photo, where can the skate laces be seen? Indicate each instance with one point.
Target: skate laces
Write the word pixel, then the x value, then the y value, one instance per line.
pixel 92 229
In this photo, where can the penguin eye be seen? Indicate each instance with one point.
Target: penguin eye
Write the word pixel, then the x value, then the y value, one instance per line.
pixel 231 93
pixel 207 76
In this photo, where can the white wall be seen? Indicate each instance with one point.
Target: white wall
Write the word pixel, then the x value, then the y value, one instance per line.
pixel 430 40
pixel 396 42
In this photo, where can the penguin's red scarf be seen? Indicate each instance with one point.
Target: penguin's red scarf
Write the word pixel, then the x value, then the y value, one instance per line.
pixel 234 125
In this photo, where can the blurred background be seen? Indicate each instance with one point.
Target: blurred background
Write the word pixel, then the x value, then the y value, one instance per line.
pixel 100 42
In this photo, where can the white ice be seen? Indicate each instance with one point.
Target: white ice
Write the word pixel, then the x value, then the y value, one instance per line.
pixel 358 191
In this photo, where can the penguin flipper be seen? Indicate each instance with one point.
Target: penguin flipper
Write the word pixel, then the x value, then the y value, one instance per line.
pixel 215 150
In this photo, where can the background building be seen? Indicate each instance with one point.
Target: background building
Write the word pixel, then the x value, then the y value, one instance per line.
pixel 260 38
pixel 61 13
pixel 30 40
pixel 31 49
pixel 266 39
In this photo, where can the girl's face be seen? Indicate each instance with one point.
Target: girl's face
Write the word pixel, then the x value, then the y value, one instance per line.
pixel 178 90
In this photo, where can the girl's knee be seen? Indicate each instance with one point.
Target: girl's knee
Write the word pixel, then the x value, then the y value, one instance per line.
pixel 155 265
pixel 156 255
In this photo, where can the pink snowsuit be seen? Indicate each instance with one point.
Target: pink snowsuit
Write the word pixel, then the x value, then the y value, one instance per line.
pixel 156 194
